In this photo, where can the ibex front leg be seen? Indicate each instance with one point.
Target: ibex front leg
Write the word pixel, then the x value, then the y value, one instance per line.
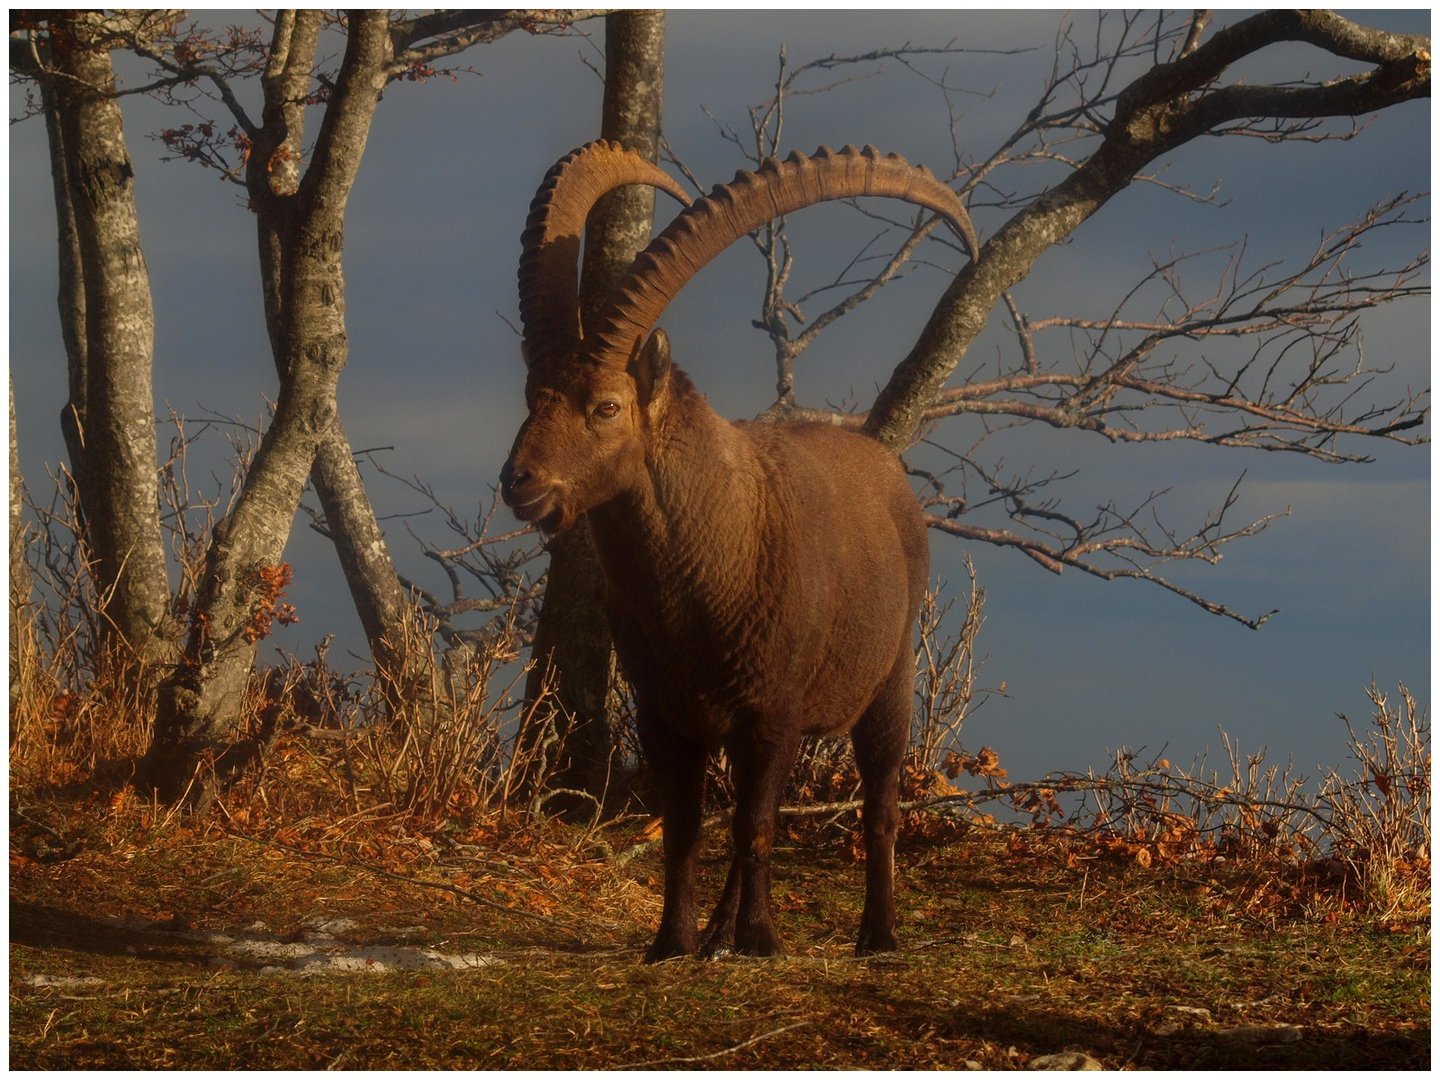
pixel 678 766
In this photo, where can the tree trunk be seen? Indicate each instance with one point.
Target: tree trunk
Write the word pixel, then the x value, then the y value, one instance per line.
pixel 198 719
pixel 20 658
pixel 370 574
pixel 108 325
pixel 620 224
pixel 573 637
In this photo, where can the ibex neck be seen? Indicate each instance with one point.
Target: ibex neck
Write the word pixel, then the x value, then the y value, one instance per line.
pixel 697 522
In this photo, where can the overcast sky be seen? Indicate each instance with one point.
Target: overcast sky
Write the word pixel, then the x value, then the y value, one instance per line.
pixel 431 245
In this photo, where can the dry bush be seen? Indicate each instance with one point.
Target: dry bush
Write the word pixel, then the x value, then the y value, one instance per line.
pixel 79 696
pixel 1155 813
pixel 338 749
pixel 1377 824
pixel 1354 843
pixel 453 745
pixel 65 733
pixel 81 700
pixel 946 669
pixel 326 745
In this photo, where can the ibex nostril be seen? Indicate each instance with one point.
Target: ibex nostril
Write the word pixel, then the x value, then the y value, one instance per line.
pixel 510 478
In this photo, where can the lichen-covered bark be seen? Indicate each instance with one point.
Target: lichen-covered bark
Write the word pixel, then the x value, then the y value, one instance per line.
pixel 370 573
pixel 364 557
pixel 109 327
pixel 573 636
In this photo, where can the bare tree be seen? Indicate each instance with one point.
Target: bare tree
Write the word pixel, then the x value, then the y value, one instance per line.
pixel 301 318
pixel 1174 102
pixel 242 580
pixel 1266 357
pixel 301 223
pixel 299 200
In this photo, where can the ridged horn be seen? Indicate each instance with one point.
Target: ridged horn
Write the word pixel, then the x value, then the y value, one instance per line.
pixel 550 255
pixel 709 225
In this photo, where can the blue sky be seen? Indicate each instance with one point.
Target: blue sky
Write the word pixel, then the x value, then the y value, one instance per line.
pixel 432 242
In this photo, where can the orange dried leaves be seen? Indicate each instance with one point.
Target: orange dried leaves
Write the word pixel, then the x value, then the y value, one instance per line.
pixel 985 763
pixel 267 584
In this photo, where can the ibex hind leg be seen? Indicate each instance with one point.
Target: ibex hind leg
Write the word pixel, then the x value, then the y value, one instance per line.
pixel 761 767
pixel 719 936
pixel 880 739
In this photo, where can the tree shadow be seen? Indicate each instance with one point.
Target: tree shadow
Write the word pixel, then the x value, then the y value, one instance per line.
pixel 1035 1028
pixel 107 777
pixel 46 927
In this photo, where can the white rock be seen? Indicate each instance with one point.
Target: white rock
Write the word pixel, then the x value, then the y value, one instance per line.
pixel 1066 1061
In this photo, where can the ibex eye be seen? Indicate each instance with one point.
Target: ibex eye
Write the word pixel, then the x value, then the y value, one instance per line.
pixel 607 410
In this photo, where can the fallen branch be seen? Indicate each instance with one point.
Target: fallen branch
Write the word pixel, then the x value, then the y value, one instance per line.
pixel 718 1053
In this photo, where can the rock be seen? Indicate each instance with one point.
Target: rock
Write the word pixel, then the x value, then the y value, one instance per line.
pixel 1066 1061
pixel 1178 1018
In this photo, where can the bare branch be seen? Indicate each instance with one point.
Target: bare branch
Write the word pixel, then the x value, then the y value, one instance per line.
pixel 419 41
pixel 1055 559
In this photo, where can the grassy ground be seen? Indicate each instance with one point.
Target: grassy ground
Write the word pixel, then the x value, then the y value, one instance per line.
pixel 1013 948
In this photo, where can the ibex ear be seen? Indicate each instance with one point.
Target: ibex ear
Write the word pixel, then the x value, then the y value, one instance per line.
pixel 651 371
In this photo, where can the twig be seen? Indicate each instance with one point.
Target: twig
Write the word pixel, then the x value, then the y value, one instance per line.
pixel 718 1053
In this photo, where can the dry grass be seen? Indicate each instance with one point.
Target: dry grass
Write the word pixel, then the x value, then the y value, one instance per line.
pixel 946 670
pixel 78 700
pixel 1007 956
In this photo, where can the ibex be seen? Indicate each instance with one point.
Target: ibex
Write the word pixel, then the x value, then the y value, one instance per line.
pixel 763 579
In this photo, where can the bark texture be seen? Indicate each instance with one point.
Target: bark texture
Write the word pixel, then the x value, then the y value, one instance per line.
pixel 572 636
pixel 365 560
pixel 109 328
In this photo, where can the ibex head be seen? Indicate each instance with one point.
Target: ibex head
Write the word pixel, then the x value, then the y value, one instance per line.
pixel 585 439
pixel 597 397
